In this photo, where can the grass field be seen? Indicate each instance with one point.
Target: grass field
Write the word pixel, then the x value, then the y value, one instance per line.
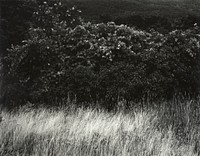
pixel 89 132
pixel 164 129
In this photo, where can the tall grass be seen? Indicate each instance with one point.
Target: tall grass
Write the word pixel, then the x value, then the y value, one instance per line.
pixel 89 132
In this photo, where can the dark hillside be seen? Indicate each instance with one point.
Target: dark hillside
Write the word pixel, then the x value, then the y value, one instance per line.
pixel 163 16
pixel 93 9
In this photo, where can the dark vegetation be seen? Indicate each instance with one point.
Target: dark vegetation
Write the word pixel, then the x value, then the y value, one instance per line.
pixel 56 55
pixel 163 16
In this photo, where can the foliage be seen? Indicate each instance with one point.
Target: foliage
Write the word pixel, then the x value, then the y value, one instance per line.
pixel 25 65
pixel 164 16
pixel 66 57
pixel 15 20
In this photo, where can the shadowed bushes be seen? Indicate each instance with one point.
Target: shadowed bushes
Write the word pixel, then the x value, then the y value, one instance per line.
pixel 100 63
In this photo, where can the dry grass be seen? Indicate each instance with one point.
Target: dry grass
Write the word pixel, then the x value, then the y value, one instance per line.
pixel 87 132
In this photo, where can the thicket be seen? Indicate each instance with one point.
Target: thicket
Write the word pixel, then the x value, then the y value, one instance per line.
pixel 65 57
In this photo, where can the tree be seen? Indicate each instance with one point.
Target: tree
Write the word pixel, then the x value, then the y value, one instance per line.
pixel 35 65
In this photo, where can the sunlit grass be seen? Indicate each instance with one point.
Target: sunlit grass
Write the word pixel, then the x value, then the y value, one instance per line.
pixel 89 132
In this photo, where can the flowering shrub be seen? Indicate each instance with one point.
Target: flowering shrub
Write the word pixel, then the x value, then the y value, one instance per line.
pixel 66 57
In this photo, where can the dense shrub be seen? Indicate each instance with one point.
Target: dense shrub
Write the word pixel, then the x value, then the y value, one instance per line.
pixel 66 57
pixel 29 67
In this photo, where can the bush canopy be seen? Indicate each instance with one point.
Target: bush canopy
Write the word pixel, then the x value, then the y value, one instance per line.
pixel 65 57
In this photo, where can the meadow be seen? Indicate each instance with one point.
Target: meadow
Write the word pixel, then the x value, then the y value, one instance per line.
pixel 89 67
pixel 72 131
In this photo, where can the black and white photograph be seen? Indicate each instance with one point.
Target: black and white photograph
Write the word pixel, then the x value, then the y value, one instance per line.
pixel 99 77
